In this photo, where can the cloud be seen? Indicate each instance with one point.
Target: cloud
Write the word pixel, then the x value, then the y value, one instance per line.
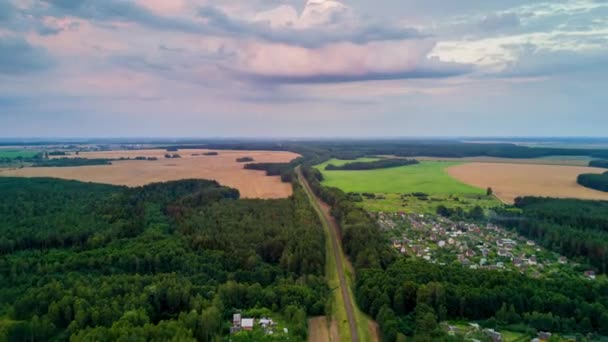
pixel 17 56
pixel 533 61
pixel 345 62
pixel 121 10
pixel 497 22
pixel 309 37
pixel 218 23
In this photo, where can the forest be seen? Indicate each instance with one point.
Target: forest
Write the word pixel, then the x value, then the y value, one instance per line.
pixel 285 170
pixel 373 165
pixel 86 262
pixel 410 297
pixel 577 229
pixel 594 181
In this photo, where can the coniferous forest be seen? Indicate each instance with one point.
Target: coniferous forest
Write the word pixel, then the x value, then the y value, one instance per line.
pixel 175 260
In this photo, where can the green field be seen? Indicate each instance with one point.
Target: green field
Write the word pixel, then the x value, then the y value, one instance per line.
pixel 12 154
pixel 429 177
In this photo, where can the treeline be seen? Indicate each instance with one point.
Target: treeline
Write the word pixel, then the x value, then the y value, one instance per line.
pixel 321 151
pixel 594 181
pixel 377 164
pixel 165 261
pixel 285 170
pixel 411 297
pixel 577 229
pixel 70 162
pixel 476 214
pixel 599 163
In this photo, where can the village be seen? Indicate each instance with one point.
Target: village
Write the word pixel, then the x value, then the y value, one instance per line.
pixel 476 246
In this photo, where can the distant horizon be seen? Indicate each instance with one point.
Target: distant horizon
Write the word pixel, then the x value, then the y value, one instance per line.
pixel 303 68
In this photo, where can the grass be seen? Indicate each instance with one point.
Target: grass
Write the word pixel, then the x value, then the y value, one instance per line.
pixel 411 204
pixel 12 154
pixel 429 177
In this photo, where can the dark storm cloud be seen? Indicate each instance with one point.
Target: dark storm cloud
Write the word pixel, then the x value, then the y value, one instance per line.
pixel 429 70
pixel 17 56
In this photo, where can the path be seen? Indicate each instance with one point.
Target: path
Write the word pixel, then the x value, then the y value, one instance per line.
pixel 329 224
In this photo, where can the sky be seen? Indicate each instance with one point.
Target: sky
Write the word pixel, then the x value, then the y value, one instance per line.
pixel 316 68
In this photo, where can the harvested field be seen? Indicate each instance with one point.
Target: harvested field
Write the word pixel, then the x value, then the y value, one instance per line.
pixel 555 160
pixel 222 168
pixel 512 180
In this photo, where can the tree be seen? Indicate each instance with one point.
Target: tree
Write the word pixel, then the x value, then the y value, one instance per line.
pixel 489 191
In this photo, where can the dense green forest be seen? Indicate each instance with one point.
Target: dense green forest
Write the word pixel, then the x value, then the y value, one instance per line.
pixel 577 229
pixel 315 152
pixel 409 297
pixel 377 164
pixel 594 181
pixel 166 261
pixel 285 170
pixel 599 163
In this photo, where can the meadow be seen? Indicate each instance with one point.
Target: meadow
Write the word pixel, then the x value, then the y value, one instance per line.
pixel 12 154
pixel 392 187
pixel 429 177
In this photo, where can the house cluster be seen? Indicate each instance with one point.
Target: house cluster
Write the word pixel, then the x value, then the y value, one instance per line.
pixel 441 240
pixel 239 324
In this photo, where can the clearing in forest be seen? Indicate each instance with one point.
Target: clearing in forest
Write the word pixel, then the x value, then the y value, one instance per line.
pixel 513 180
pixel 191 164
pixel 393 188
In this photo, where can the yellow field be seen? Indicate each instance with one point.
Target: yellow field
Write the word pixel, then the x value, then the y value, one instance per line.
pixel 222 168
pixel 512 180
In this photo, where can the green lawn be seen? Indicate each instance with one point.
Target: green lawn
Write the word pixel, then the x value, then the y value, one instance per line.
pixel 390 184
pixel 429 177
pixel 12 154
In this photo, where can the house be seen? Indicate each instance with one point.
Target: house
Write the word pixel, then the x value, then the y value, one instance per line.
pixel 590 274
pixel 266 322
pixel 532 260
pixel 247 323
pixel 562 260
pixel 544 336
pixel 494 335
pixel 517 262
pixel 441 244
pixel 470 253
pixel 236 319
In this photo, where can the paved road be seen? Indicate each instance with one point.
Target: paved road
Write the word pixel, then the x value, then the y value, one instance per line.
pixel 329 223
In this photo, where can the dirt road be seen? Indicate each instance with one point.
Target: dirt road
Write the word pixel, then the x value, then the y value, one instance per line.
pixel 329 223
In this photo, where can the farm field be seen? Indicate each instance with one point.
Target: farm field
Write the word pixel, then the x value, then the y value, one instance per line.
pixel 222 168
pixel 429 177
pixel 392 187
pixel 11 154
pixel 554 160
pixel 512 180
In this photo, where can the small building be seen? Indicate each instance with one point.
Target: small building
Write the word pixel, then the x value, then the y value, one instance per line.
pixel 247 324
pixel 562 260
pixel 494 335
pixel 544 336
pixel 590 274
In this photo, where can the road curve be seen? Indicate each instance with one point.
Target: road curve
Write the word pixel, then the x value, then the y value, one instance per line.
pixel 330 224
